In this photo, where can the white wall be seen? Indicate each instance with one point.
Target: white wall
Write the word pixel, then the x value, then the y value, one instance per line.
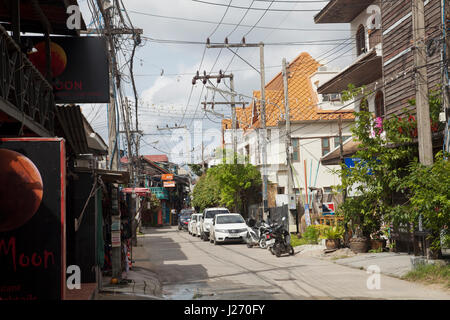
pixel 310 150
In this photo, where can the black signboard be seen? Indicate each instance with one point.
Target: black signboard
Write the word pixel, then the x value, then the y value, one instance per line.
pixel 80 68
pixel 32 219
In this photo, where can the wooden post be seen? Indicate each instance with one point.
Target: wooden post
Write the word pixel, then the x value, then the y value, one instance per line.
pixel 422 105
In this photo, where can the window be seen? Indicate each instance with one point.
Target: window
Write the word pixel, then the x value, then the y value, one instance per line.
pixel 379 104
pixel 296 150
pixel 337 140
pixel 331 97
pixel 280 190
pixel 361 40
pixel 325 146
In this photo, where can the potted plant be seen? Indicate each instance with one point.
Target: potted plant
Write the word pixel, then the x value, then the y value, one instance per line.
pixel 333 236
pixel 377 242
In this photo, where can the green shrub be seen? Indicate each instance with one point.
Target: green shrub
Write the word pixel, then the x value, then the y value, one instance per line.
pixel 334 233
pixel 311 235
pixel 322 230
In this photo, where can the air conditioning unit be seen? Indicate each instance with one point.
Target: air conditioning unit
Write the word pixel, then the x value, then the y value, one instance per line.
pixel 84 163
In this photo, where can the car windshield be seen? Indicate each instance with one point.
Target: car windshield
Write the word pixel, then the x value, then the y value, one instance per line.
pixel 211 214
pixel 229 219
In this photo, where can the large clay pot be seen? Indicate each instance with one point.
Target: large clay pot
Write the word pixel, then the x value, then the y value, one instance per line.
pixel 332 244
pixel 359 245
pixel 377 244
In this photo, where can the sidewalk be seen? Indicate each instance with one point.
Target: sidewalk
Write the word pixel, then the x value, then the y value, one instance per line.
pixel 137 283
pixel 390 263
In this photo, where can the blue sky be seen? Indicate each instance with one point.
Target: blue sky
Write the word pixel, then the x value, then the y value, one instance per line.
pixel 164 71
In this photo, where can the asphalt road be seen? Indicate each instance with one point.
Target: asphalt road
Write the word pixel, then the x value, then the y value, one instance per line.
pixel 190 268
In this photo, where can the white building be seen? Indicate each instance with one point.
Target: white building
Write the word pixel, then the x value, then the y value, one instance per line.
pixel 314 131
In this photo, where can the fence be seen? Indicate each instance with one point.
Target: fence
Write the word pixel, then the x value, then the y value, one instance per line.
pixel 276 215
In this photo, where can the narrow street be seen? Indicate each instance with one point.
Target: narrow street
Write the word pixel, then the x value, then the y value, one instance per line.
pixel 190 268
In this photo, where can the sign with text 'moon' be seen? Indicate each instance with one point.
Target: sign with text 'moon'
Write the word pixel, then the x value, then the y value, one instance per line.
pixel 79 67
pixel 32 219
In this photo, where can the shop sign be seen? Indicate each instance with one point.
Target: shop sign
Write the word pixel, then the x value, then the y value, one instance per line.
pixel 167 177
pixel 79 66
pixel 32 219
pixel 328 208
pixel 169 184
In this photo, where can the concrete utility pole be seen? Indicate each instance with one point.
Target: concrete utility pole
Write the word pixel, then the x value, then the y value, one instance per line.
pixel 293 217
pixel 233 121
pixel 205 78
pixel 341 151
pixel 113 150
pixel 113 153
pixel 422 105
pixel 263 135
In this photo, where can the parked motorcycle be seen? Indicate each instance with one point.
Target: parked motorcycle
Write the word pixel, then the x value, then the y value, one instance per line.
pixel 257 235
pixel 282 241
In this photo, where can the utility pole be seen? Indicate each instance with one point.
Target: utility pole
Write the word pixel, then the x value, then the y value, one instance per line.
pixel 205 78
pixel 259 45
pixel 113 153
pixel 203 156
pixel 233 121
pixel 422 105
pixel 288 144
pixel 341 151
pixel 109 32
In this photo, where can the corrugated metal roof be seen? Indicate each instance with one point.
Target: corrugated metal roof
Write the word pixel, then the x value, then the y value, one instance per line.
pixel 77 131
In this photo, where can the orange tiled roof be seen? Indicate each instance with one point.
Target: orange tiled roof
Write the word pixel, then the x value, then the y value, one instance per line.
pixel 303 99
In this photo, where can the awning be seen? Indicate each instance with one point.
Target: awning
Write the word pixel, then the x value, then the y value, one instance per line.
pixel 334 157
pixel 364 71
pixel 76 130
pixel 341 11
pixel 108 176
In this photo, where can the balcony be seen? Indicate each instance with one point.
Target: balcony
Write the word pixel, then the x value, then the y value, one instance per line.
pixel 26 98
pixel 341 11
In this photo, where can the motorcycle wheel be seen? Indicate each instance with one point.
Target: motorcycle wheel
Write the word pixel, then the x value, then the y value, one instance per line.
pixel 271 250
pixel 278 251
pixel 262 243
pixel 291 250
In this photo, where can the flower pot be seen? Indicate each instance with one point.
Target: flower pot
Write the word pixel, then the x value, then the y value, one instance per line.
pixel 332 244
pixel 358 245
pixel 377 244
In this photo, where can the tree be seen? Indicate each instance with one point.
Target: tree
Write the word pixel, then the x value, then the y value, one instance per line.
pixel 197 169
pixel 391 185
pixel 206 193
pixel 234 186
pixel 240 184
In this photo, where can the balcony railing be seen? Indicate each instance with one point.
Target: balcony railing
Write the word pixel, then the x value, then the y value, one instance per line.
pixel 24 93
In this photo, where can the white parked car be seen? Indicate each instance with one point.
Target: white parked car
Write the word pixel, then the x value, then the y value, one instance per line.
pixel 228 227
pixel 207 220
pixel 192 227
pixel 198 225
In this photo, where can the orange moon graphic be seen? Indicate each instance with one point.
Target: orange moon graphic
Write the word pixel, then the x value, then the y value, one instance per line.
pixel 58 55
pixel 21 190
